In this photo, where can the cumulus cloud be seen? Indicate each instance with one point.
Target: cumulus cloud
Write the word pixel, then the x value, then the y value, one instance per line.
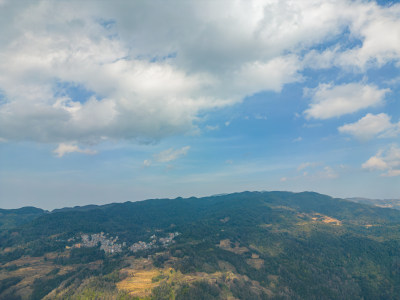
pixel 378 28
pixel 171 154
pixel 371 125
pixel 386 161
pixel 151 68
pixel 271 75
pixel 366 23
pixel 330 100
pixel 140 90
pixel 65 148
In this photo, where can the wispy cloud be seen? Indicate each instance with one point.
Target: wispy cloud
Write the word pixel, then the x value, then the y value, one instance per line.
pixel 171 154
pixel 317 170
pixel 65 148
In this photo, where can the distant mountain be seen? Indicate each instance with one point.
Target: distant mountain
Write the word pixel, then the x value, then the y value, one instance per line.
pixel 76 208
pixel 250 245
pixel 10 218
pixel 387 203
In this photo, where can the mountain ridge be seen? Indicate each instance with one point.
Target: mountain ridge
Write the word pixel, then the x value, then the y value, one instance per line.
pixel 248 245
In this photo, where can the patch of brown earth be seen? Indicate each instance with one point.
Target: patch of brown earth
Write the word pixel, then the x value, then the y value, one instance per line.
pixel 256 263
pixel 325 219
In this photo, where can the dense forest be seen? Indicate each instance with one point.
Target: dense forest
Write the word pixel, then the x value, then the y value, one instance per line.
pixel 250 245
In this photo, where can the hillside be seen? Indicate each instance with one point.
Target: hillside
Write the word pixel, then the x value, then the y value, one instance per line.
pixel 250 245
pixel 388 203
pixel 10 218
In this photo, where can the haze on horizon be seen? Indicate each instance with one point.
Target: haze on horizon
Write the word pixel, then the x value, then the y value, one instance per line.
pixel 106 101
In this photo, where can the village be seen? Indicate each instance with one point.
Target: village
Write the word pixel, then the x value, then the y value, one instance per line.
pixel 110 245
pixel 166 241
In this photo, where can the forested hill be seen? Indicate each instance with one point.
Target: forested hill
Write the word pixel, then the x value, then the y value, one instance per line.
pixel 387 203
pixel 10 218
pixel 250 245
pixel 248 207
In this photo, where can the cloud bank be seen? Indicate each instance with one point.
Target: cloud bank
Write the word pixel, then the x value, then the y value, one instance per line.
pixel 149 69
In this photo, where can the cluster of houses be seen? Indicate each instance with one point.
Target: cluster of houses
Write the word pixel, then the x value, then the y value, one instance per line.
pixel 110 245
pixel 154 243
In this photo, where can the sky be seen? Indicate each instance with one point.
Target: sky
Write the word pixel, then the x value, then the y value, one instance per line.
pixel 113 101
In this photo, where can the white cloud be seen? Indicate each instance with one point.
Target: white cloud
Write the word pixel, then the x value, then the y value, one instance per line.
pixel 366 23
pixel 65 148
pixel 139 93
pixel 330 101
pixel 379 29
pixel 147 163
pixel 386 160
pixel 153 67
pixel 375 163
pixel 371 125
pixel 272 75
pixel 171 154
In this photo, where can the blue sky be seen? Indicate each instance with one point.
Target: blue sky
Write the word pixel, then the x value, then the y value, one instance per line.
pixel 108 102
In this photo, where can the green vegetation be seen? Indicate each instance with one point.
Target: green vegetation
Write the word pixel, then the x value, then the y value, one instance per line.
pixel 80 256
pixel 101 287
pixel 8 282
pixel 43 286
pixel 10 218
pixel 258 245
pixel 198 291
